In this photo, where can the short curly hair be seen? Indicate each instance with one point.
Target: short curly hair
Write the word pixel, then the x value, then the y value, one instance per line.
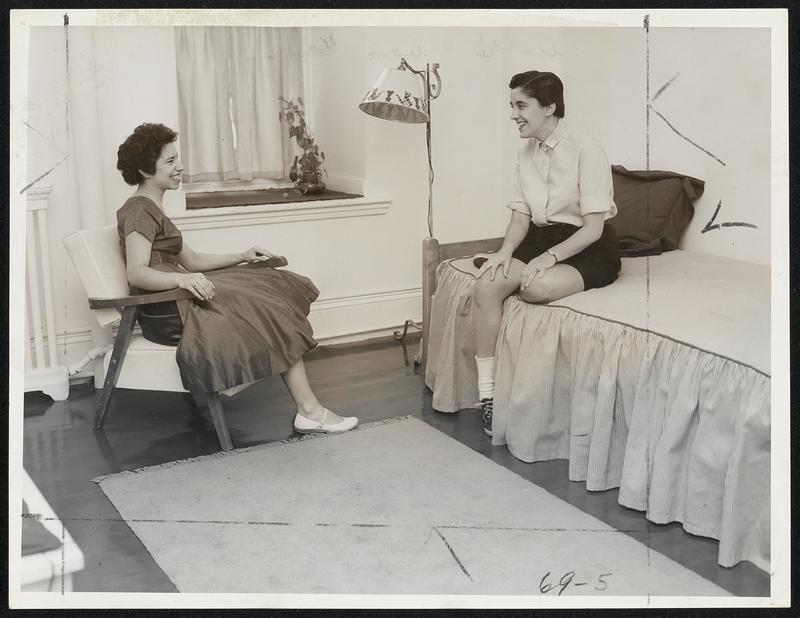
pixel 543 86
pixel 142 149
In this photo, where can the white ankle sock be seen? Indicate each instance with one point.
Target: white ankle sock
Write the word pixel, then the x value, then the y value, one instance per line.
pixel 485 377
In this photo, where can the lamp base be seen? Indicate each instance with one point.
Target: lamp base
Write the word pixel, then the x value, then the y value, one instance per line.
pixel 400 336
pixel 430 261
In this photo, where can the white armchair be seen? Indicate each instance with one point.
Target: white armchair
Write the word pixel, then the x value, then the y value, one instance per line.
pixel 134 362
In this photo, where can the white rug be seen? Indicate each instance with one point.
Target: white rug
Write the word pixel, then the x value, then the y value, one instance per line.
pixel 392 508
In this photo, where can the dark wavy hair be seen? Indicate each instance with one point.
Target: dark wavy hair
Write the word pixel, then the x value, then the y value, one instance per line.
pixel 543 86
pixel 142 149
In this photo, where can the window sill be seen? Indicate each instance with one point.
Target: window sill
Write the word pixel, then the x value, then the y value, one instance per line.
pixel 268 214
pixel 229 199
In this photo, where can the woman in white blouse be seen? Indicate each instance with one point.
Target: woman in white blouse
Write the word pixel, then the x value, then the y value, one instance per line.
pixel 558 241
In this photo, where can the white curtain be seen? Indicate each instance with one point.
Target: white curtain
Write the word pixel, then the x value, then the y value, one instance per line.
pixel 229 84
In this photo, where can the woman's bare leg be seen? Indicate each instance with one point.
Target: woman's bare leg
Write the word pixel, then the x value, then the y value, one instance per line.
pixel 308 405
pixel 487 305
pixel 559 281
pixel 487 311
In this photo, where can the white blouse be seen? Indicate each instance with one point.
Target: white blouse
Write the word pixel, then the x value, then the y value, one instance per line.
pixel 563 178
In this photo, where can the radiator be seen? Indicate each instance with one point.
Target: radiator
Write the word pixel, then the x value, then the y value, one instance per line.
pixel 42 371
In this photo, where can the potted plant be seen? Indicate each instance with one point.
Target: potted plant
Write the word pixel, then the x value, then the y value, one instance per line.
pixel 307 169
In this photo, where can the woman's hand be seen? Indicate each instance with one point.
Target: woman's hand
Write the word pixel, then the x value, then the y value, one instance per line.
pixel 198 284
pixel 495 261
pixel 537 267
pixel 256 254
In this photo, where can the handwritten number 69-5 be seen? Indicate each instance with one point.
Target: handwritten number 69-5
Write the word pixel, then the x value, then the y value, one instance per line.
pixel 568 578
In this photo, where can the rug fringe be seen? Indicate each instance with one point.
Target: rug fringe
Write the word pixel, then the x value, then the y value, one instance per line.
pixel 255 447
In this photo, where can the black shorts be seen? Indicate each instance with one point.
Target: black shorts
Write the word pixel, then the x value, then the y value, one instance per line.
pixel 598 264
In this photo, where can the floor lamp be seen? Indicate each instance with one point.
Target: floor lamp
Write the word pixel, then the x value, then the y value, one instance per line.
pixel 404 95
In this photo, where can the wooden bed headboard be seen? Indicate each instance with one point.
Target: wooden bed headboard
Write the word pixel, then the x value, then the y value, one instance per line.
pixel 434 254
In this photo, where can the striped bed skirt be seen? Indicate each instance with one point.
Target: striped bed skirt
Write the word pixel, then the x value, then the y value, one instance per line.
pixel 681 429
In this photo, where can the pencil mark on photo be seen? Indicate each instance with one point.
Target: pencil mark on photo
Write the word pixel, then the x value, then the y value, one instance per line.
pixel 63 556
pixel 715 226
pixel 567 579
pixel 681 135
pixel 38 178
pixel 453 553
pixel 664 87
pixel 40 517
pixel 34 130
pixel 526 529
pixel 647 90
pixel 647 162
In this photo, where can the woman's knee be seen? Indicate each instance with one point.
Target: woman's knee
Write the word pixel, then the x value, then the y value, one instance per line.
pixel 540 290
pixel 558 282
pixel 488 291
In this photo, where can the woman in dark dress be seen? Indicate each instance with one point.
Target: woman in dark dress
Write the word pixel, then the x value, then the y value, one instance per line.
pixel 244 323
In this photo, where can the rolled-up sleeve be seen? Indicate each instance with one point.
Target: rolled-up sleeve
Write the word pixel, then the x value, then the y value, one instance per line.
pixel 518 202
pixel 595 186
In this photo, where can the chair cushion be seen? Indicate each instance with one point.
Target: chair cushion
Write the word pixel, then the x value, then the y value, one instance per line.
pixel 98 260
pixel 151 366
pixel 148 366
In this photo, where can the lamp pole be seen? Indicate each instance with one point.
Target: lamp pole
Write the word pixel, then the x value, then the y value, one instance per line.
pixel 432 91
pixel 430 244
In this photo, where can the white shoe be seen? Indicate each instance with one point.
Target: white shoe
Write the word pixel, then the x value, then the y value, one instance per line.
pixel 303 424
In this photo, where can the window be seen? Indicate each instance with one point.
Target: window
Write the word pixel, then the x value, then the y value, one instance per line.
pixel 230 80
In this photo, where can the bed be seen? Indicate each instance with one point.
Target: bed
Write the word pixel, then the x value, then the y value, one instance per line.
pixel 658 384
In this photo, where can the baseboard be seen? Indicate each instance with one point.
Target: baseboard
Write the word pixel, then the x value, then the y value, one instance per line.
pixel 71 345
pixel 343 319
pixel 351 318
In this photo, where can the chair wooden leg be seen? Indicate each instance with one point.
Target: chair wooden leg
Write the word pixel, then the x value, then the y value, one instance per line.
pixel 220 423
pixel 115 366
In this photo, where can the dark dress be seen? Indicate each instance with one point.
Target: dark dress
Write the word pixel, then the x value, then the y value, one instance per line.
pixel 255 326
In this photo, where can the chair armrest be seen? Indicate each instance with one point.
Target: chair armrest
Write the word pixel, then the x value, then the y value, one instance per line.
pixel 273 262
pixel 173 294
pixel 139 299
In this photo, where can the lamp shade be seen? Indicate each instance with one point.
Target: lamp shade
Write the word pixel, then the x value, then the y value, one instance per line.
pixel 398 95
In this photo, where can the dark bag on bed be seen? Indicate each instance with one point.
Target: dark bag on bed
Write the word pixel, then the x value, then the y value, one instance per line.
pixel 654 208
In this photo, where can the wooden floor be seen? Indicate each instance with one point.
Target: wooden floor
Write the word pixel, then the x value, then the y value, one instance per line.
pixel 374 380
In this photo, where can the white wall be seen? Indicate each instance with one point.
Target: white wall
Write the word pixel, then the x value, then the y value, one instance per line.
pixel 122 77
pixel 720 99
pixel 48 143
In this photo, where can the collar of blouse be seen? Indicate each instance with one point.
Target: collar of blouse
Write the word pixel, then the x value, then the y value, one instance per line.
pixel 558 133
